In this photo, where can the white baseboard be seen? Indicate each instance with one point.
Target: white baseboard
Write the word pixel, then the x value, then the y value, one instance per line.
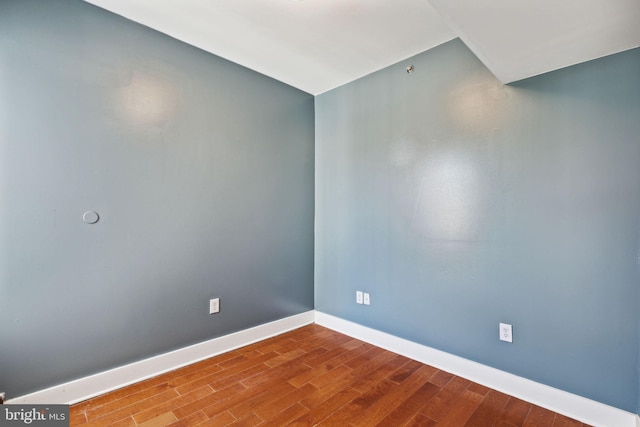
pixel 577 407
pixel 571 405
pixel 103 382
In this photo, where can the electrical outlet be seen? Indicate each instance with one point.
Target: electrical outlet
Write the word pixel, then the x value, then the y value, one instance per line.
pixel 214 306
pixel 506 332
pixel 359 297
pixel 367 299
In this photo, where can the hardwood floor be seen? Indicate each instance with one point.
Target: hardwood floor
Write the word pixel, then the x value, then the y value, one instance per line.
pixel 311 376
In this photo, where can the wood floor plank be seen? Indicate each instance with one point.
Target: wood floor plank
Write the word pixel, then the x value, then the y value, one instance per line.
pixel 194 383
pixel 327 365
pixel 489 410
pixel 191 376
pixel 306 357
pixel 76 416
pixel 373 377
pixel 315 362
pixel 310 376
pixel 130 399
pixel 445 398
pixel 463 409
pixel 172 404
pixel 479 389
pixel 130 410
pixel 242 356
pixel 140 386
pixel 287 416
pixel 515 412
pixel 367 374
pixel 269 410
pixel 227 402
pixel 329 342
pixel 105 422
pixel 539 417
pixel 352 410
pixel 285 356
pixel 562 421
pixel 245 361
pixel 366 357
pixel 420 420
pixel 190 420
pixel 333 377
pixel 329 406
pixel 332 341
pixel 328 387
pixel 220 382
pixel 385 405
pixel 215 397
pixel 248 420
pixel 218 420
pixel 405 371
pixel 442 378
pixel 411 406
pixel 283 372
pixel 272 391
pixel 161 420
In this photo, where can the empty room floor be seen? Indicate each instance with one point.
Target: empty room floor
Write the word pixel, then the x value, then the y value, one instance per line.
pixel 311 376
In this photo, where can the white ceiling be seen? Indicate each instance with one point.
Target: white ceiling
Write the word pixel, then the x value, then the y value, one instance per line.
pixel 317 45
pixel 517 39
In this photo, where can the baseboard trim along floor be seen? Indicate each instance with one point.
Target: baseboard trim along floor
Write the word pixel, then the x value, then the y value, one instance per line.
pixel 577 407
pixel 574 406
pixel 113 379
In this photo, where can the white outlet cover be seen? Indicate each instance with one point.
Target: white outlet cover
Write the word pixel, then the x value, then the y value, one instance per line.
pixel 359 297
pixel 214 306
pixel 367 299
pixel 506 332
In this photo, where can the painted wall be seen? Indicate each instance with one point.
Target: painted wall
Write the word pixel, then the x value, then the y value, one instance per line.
pixel 459 203
pixel 201 171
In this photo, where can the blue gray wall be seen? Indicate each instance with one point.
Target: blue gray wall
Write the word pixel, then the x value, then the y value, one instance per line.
pixel 458 203
pixel 455 201
pixel 201 171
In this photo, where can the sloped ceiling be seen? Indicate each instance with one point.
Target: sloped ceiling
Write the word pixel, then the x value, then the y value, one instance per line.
pixel 517 39
pixel 317 45
pixel 314 45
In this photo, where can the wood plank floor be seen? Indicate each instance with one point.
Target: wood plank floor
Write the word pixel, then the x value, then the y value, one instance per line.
pixel 311 376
